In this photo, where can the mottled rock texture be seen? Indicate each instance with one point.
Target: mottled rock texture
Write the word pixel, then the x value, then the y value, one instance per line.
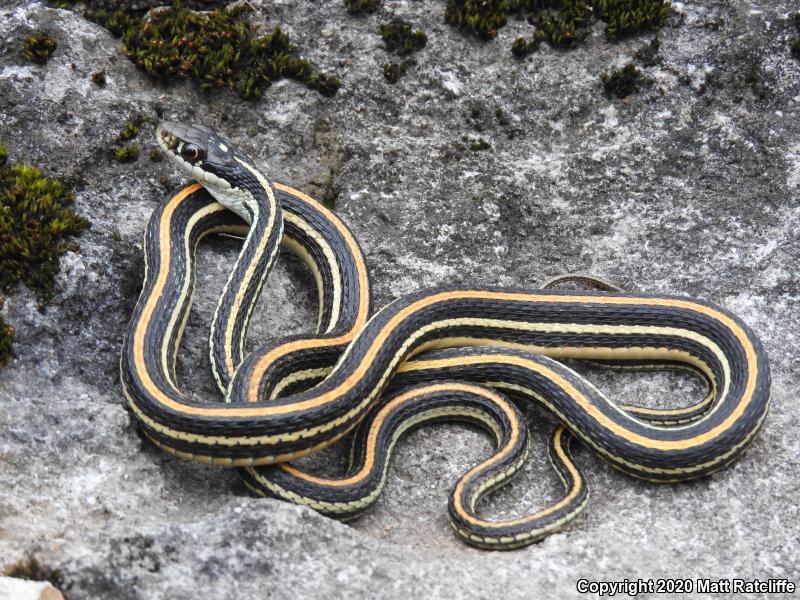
pixel 689 186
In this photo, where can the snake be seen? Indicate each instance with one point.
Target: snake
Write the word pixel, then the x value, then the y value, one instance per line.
pixel 509 339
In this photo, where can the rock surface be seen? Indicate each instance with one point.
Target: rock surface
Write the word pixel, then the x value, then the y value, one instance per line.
pixel 689 187
pixel 21 589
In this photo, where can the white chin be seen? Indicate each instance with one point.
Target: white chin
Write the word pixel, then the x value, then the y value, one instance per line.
pixel 233 199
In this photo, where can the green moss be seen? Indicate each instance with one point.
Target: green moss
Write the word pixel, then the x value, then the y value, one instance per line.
pixel 480 18
pixel 99 78
pixel 155 156
pixel 564 28
pixel 522 47
pixel 392 72
pixel 130 131
pixel 401 39
pixel 31 569
pixel 217 49
pixel 625 17
pixel 36 223
pixel 128 153
pixel 622 82
pixel 560 23
pixel 39 47
pixel 360 7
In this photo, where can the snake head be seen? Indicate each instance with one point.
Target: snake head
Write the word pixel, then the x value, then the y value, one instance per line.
pixel 214 161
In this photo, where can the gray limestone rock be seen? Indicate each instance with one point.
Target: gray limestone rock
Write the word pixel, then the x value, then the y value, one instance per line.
pixel 689 187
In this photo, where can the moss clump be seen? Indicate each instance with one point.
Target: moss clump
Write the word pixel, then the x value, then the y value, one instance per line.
pixel 392 72
pixel 480 18
pixel 155 156
pixel 130 131
pixel 217 49
pixel 622 82
pixel 128 153
pixel 361 7
pixel 31 569
pixel 522 47
pixel 39 47
pixel 35 224
pixel 560 23
pixel 99 78
pixel 401 39
pixel 564 28
pixel 625 17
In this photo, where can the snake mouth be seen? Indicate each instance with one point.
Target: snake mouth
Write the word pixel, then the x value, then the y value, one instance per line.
pixel 166 140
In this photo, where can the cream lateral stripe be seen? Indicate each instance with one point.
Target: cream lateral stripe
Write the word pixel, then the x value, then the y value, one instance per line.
pixel 581 352
pixel 361 267
pixel 363 303
pixel 368 499
pixel 430 364
pixel 366 364
pixel 298 376
pixel 524 538
pixel 333 265
pixel 372 440
pixel 490 484
pixel 578 352
pixel 164 236
pixel 182 327
pixel 262 245
pixel 502 385
pixel 295 248
pixel 615 460
pixel 565 501
pixel 291 245
pixel 185 290
pixel 582 401
pixel 235 462
pixel 419 333
pixel 287 437
pixel 444 296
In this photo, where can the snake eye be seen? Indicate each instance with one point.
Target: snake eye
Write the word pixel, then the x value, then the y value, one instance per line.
pixel 191 153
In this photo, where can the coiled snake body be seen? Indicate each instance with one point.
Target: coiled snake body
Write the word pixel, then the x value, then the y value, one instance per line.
pixel 444 353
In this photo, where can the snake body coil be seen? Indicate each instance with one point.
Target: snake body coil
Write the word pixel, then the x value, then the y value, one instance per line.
pixel 503 338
